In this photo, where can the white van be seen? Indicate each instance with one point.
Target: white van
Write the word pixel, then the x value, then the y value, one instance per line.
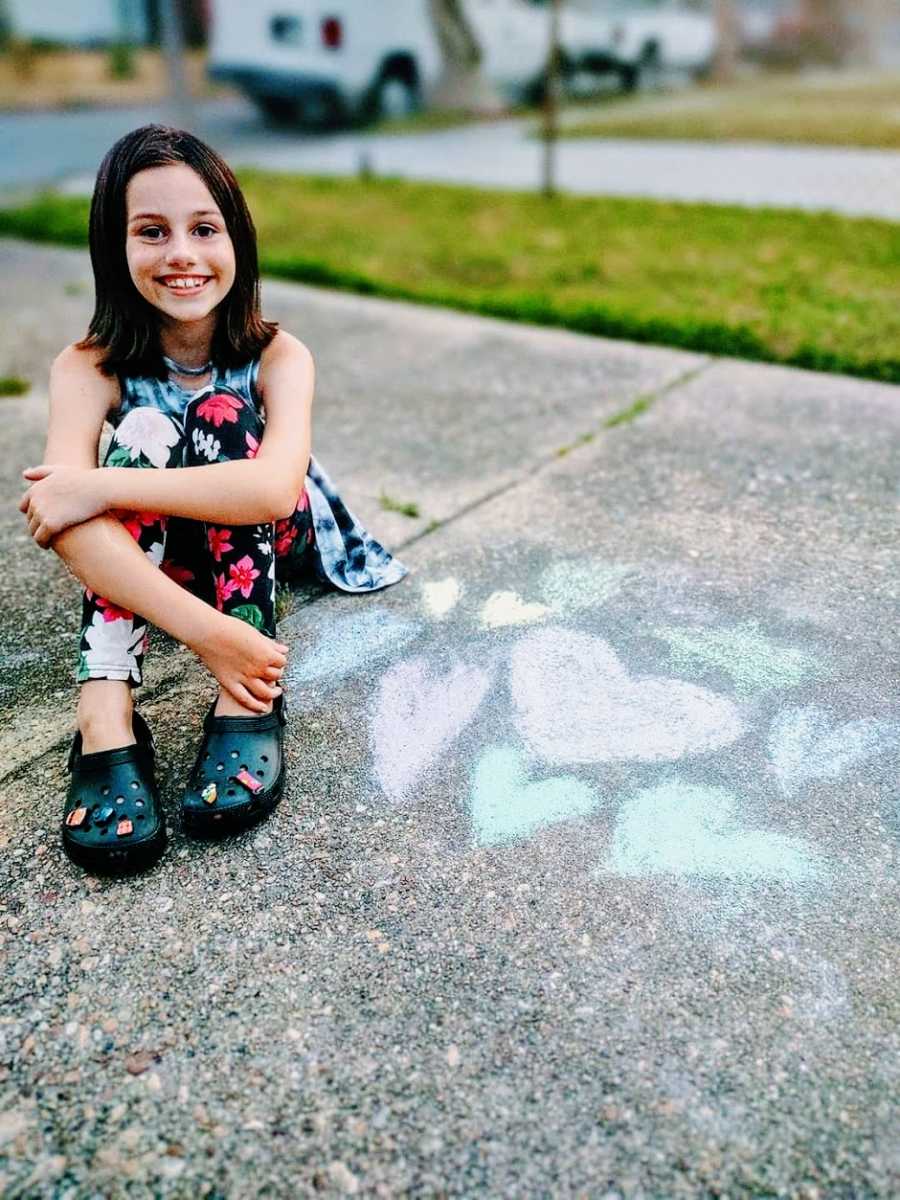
pixel 348 58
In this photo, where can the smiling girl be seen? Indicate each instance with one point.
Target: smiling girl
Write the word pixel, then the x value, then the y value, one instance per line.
pixel 181 363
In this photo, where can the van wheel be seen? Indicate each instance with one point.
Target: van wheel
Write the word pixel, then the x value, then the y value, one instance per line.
pixel 396 97
pixel 278 111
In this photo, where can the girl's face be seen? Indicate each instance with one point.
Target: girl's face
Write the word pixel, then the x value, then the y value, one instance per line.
pixel 180 255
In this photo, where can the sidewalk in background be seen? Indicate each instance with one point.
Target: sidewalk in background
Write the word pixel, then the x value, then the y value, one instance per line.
pixel 586 878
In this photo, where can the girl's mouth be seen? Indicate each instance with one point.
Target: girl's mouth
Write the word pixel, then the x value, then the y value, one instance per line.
pixel 184 285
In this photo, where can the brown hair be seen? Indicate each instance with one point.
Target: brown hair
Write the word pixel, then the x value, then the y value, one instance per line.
pixel 124 323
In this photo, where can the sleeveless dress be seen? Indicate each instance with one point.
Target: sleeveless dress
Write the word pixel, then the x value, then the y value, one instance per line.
pixel 344 553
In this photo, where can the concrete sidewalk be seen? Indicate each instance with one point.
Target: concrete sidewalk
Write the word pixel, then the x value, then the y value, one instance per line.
pixel 586 881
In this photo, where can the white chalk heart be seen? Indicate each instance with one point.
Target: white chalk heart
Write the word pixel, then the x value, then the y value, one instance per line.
pixel 575 702
pixel 416 715
pixel 506 807
pixel 506 608
pixel 807 743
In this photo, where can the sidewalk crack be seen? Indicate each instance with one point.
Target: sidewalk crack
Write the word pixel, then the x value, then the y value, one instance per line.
pixel 624 416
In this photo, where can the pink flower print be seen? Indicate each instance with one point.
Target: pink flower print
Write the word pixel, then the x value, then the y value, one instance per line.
pixel 218 408
pixel 136 522
pixel 179 574
pixel 112 612
pixel 303 502
pixel 284 538
pixel 223 590
pixel 218 542
pixel 242 575
pixel 252 445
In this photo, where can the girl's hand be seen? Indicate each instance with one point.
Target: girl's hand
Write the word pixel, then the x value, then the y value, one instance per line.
pixel 246 663
pixel 60 497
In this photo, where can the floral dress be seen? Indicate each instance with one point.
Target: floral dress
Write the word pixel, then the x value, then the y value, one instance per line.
pixel 159 425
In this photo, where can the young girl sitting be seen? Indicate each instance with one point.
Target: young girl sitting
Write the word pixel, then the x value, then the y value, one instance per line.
pixel 179 360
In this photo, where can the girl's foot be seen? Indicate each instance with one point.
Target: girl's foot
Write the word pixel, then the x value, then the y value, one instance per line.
pixel 227 706
pixel 239 774
pixel 105 710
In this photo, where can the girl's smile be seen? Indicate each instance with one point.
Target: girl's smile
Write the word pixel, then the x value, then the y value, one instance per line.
pixel 179 252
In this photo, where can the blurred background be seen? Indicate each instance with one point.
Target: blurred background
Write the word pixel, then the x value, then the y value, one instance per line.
pixel 316 63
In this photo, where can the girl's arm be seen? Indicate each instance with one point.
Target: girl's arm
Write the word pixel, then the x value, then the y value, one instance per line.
pixel 252 491
pixel 104 556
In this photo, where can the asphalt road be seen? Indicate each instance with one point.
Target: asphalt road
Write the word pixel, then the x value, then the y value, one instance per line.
pixel 65 148
pixel 585 883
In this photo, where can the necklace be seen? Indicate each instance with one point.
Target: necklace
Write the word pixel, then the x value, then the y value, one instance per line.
pixel 182 370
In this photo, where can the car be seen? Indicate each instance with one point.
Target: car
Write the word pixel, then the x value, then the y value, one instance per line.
pixel 647 39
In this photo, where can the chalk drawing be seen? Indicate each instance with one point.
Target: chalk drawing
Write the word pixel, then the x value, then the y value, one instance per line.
pixel 441 596
pixel 575 585
pixel 680 829
pixel 575 703
pixel 506 608
pixel 506 807
pixel 807 743
pixel 348 644
pixel 754 662
pixel 417 715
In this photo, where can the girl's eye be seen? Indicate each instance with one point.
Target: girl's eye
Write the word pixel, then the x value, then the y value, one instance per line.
pixel 150 231
pixel 206 230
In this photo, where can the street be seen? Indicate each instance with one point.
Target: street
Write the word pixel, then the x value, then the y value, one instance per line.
pixel 65 148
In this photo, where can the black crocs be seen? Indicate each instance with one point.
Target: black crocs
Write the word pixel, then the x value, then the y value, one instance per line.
pixel 113 821
pixel 239 774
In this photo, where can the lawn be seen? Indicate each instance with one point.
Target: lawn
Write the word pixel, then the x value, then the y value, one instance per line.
pixel 812 290
pixel 826 109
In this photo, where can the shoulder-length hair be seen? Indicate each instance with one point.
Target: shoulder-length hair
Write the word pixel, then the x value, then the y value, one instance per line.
pixel 124 323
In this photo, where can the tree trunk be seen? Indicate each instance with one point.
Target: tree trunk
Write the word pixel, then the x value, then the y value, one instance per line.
pixel 727 29
pixel 461 84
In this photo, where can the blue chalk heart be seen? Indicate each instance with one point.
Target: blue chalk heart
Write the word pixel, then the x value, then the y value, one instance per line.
pixel 807 743
pixel 506 807
pixel 684 830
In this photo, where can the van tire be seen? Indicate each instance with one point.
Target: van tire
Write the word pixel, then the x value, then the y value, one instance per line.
pixel 396 93
pixel 278 111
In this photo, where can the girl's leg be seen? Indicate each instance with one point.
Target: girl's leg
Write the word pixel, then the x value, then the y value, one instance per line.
pixel 113 640
pixel 240 558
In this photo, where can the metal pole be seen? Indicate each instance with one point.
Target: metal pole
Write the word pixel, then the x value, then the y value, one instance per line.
pixel 551 102
pixel 172 31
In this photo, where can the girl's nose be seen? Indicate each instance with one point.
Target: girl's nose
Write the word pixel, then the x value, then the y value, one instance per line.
pixel 181 252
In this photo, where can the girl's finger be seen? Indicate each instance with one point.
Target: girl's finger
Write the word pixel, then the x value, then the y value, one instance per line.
pixel 40 472
pixel 244 697
pixel 274 672
pixel 265 691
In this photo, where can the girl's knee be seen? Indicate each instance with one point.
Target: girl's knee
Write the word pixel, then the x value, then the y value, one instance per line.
pixel 221 426
pixel 145 437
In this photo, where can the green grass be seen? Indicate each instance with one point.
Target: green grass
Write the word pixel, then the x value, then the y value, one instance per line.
pixel 811 290
pixel 832 110
pixel 389 504
pixel 13 385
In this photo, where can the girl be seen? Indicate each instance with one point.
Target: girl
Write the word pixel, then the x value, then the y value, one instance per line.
pixel 179 360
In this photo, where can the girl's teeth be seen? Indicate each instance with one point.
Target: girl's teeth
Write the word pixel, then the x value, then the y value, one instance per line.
pixel 184 285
